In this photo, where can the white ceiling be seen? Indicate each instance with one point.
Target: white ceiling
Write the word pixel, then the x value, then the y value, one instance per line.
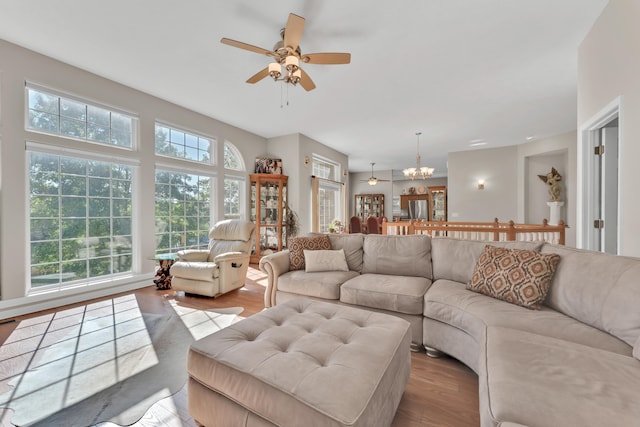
pixel 456 70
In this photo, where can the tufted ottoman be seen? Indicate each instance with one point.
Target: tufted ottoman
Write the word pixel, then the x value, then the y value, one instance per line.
pixel 301 363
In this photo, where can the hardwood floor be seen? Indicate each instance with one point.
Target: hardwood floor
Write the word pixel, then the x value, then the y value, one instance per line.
pixel 440 392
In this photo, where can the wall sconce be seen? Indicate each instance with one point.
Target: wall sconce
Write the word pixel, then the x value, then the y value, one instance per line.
pixel 307 161
pixel 481 184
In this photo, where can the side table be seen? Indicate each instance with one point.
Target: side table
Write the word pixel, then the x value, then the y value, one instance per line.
pixel 163 276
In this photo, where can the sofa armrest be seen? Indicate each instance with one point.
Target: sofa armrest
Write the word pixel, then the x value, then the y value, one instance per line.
pixel 273 265
pixel 193 255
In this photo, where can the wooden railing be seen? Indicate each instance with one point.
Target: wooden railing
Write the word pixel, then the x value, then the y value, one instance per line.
pixel 492 231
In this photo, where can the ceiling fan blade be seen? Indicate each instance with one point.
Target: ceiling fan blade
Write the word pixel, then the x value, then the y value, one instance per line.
pixel 259 76
pixel 327 58
pixel 245 46
pixel 293 31
pixel 305 81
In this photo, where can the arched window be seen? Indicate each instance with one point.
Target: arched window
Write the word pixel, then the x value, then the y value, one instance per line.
pixel 232 158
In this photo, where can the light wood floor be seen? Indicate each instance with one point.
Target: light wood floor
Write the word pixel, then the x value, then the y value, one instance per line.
pixel 440 392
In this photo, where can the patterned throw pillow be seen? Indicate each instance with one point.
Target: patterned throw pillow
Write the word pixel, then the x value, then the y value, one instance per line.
pixel 297 245
pixel 518 276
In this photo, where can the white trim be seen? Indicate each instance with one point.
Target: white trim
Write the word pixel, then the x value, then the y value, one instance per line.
pixel 43 301
pixel 181 168
pixel 585 172
pixel 89 101
pixel 213 147
pixel 83 154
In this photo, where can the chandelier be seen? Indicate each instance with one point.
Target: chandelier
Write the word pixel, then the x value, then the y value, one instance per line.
pixel 423 172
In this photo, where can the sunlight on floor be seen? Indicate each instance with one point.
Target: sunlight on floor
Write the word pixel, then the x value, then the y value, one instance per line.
pixel 56 360
pixel 201 323
pixel 256 276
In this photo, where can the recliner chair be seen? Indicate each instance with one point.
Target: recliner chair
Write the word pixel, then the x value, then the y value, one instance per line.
pixel 221 268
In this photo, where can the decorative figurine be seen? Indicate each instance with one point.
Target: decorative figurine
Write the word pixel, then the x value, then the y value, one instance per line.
pixel 552 179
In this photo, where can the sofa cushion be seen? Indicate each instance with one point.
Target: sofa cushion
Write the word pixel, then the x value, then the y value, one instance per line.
pixel 397 255
pixel 455 259
pixel 352 245
pixel 297 245
pixel 323 260
pixel 598 289
pixel 636 349
pixel 451 303
pixel 321 285
pixel 517 276
pixel 402 294
pixel 536 380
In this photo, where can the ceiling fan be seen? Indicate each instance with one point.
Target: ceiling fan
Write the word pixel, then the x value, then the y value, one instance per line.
pixel 287 54
pixel 373 180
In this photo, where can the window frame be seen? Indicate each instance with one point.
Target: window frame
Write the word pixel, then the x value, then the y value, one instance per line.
pixel 242 167
pixel 323 183
pixel 88 103
pixel 212 200
pixel 213 143
pixel 133 165
pixel 242 187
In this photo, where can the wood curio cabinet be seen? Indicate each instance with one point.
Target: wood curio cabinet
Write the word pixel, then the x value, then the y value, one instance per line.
pixel 369 205
pixel 268 213
pixel 438 203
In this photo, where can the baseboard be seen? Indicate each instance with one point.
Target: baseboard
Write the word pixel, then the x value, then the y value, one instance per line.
pixel 34 303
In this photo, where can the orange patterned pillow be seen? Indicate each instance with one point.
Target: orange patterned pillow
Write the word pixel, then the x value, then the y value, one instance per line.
pixel 297 245
pixel 518 276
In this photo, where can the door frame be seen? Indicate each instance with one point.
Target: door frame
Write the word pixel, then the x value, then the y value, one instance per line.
pixel 588 138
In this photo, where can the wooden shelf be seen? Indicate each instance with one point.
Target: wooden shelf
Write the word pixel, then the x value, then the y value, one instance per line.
pixel 369 205
pixel 268 212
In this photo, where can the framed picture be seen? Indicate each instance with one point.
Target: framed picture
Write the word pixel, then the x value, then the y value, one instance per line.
pixel 266 165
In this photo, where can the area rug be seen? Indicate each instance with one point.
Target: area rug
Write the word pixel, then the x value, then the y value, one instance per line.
pixel 107 361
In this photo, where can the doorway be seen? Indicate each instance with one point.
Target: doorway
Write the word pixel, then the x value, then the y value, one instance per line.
pixel 600 150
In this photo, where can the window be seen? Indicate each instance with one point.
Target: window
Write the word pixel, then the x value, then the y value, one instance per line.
pixel 233 196
pixel 233 186
pixel 80 219
pixel 323 168
pixel 232 157
pixel 328 193
pixel 183 211
pixel 72 118
pixel 172 142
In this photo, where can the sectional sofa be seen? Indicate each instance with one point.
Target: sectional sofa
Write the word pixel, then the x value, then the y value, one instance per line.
pixel 574 361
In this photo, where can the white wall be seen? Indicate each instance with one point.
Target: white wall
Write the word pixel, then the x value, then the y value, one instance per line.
pixel 537 158
pixel 498 168
pixel 292 149
pixel 609 67
pixel 18 65
pixel 512 189
pixel 360 186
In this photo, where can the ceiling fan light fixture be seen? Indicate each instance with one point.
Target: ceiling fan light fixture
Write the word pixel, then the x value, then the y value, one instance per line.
pixel 291 63
pixel 287 54
pixel 423 172
pixel 296 76
pixel 373 180
pixel 275 70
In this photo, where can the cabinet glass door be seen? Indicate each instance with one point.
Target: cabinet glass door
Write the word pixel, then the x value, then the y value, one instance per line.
pixel 438 212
